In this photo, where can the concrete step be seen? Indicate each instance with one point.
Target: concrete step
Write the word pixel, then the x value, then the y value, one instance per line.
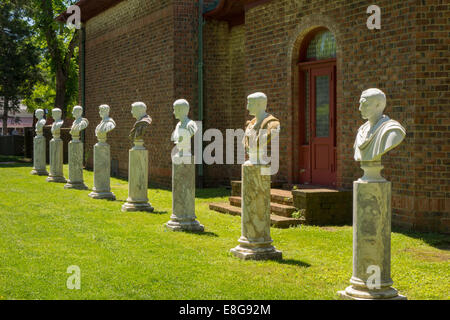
pixel 282 197
pixel 276 195
pixel 276 208
pixel 225 207
pixel 284 222
pixel 236 186
pixel 275 221
pixel 324 206
pixel 290 186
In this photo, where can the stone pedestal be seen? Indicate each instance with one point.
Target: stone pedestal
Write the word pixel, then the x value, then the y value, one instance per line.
pixel 56 161
pixel 183 216
pixel 75 166
pixel 102 172
pixel 39 164
pixel 137 180
pixel 255 242
pixel 371 277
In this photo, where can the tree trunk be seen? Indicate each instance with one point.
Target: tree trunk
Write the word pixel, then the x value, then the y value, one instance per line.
pixel 5 116
pixel 60 98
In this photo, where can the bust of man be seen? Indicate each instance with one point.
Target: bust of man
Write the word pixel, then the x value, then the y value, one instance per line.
pixel 40 122
pixel 260 130
pixel 380 133
pixel 106 125
pixel 139 112
pixel 184 129
pixel 79 124
pixel 57 124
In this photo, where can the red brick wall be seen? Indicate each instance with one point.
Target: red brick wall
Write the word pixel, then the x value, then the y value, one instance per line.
pixel 224 83
pixel 431 152
pixel 217 89
pixel 407 63
pixel 147 50
pixel 141 50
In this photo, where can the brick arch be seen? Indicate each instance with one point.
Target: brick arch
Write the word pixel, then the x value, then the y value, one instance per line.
pixel 305 26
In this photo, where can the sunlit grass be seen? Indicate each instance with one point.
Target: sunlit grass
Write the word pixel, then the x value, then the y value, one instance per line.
pixel 45 229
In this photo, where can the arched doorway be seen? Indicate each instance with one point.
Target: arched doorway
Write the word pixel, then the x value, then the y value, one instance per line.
pixel 317 114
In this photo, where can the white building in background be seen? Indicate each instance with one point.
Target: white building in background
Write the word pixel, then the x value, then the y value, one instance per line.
pixel 17 121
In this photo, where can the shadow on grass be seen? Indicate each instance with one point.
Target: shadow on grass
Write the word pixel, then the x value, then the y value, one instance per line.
pixel 15 164
pixel 436 240
pixel 212 193
pixel 293 262
pixel 157 212
pixel 205 233
pixel 4 158
pixel 202 193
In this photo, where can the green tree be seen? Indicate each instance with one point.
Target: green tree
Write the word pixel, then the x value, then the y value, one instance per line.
pixel 61 55
pixel 19 58
pixel 44 92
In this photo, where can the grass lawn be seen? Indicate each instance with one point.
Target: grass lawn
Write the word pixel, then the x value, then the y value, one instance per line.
pixel 45 229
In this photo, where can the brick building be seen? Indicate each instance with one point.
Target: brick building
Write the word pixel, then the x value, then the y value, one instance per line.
pixel 312 59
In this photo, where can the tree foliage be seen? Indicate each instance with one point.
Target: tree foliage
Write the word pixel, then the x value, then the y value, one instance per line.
pixel 19 57
pixel 59 87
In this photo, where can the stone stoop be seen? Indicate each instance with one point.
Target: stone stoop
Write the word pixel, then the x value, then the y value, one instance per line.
pixel 322 206
pixel 317 205
pixel 275 208
pixel 281 206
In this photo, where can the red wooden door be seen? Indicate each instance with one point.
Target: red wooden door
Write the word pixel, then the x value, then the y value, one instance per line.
pixel 322 126
pixel 318 119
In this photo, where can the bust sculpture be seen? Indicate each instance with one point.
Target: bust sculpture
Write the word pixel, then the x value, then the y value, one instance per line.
pixel 184 129
pixel 372 196
pixel 57 124
pixel 106 125
pixel 380 133
pixel 40 122
pixel 79 124
pixel 139 112
pixel 260 130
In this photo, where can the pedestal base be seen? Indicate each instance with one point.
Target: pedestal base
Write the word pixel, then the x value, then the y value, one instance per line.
pixel 255 242
pixel 39 165
pixel 132 207
pixel 56 161
pixel 102 195
pixel 267 253
pixel 74 185
pixel 371 238
pixel 56 179
pixel 39 172
pixel 102 171
pixel 191 225
pixel 183 216
pixel 75 180
pixel 137 180
pixel 352 293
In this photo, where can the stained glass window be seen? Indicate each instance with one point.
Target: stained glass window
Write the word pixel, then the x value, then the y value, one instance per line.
pixel 307 108
pixel 322 106
pixel 322 46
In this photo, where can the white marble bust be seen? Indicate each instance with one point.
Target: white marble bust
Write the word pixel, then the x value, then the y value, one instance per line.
pixel 380 133
pixel 106 125
pixel 57 124
pixel 39 113
pixel 79 124
pixel 260 130
pixel 184 129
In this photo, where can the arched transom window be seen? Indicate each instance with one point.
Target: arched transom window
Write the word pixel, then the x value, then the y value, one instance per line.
pixel 322 46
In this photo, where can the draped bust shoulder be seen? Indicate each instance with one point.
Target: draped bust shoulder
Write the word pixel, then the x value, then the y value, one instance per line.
pixel 138 130
pixel 105 126
pixel 79 124
pixel 371 145
pixel 56 126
